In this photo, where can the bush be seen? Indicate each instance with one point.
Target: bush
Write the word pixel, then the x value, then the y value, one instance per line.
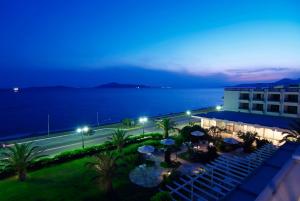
pixel 179 140
pixel 161 196
pixel 128 122
pixel 248 139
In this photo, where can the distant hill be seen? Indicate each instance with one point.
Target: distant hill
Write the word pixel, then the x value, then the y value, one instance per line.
pixel 282 82
pixel 119 85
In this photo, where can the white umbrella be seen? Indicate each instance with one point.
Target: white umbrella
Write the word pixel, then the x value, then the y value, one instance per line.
pixel 167 142
pixel 146 149
pixel 230 140
pixel 197 133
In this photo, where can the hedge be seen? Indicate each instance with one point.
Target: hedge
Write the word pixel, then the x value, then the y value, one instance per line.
pixel 78 153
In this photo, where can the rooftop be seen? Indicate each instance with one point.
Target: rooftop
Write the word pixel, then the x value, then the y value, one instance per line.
pixel 263 179
pixel 247 118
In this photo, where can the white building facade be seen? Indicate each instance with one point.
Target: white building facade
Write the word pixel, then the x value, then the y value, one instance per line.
pixel 268 101
pixel 266 111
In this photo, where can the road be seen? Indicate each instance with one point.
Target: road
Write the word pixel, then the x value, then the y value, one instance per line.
pixel 72 140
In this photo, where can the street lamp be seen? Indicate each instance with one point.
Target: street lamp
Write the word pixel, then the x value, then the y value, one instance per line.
pixel 218 107
pixel 81 131
pixel 189 114
pixel 143 120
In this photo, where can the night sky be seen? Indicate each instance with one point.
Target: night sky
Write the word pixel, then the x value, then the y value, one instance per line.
pixel 178 43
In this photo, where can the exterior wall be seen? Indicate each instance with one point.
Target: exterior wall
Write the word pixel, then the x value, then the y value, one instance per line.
pixel 230 100
pixel 234 102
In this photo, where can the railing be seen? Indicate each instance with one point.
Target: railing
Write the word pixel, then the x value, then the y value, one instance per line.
pixel 274 99
pixel 244 108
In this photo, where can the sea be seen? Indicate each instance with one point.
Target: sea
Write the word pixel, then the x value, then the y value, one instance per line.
pixel 27 112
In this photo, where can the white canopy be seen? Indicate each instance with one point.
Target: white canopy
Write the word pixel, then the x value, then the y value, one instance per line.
pixel 197 133
pixel 167 141
pixel 146 149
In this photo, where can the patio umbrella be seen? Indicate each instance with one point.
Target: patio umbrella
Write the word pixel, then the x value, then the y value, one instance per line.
pixel 146 149
pixel 197 133
pixel 230 140
pixel 167 142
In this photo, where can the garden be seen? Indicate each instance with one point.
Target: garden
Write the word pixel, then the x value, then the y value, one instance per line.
pixel 119 169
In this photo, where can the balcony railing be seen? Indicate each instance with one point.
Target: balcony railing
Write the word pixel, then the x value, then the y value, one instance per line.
pixel 273 99
pixel 258 99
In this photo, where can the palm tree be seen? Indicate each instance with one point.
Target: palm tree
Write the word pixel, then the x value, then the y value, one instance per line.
pixel 248 139
pixel 216 131
pixel 19 157
pixel 119 139
pixel 105 167
pixel 294 132
pixel 167 125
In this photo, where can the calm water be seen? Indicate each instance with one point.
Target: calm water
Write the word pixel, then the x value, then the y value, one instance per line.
pixel 26 112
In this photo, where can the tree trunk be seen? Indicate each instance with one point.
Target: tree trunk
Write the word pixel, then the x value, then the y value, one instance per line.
pixel 22 175
pixel 110 191
pixel 166 133
pixel 168 156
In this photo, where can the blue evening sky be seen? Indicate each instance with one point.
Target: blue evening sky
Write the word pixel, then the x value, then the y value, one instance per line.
pixel 168 42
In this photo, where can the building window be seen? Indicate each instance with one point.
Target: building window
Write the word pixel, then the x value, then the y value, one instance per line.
pixel 244 96
pixel 291 98
pixel 244 106
pixel 273 108
pixel 290 109
pixel 258 96
pixel 258 107
pixel 274 97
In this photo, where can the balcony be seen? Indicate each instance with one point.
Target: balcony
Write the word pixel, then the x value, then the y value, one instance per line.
pixel 274 97
pixel 291 110
pixel 244 96
pixel 273 108
pixel 244 106
pixel 291 99
pixel 258 97
pixel 258 107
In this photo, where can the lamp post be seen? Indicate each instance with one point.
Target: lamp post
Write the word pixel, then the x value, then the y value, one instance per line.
pixel 189 114
pixel 143 120
pixel 81 131
pixel 218 107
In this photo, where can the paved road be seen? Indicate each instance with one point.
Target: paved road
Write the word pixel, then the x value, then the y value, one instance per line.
pixel 72 140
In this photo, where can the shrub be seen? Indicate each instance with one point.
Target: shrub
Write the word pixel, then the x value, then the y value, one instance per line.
pixel 161 196
pixel 248 139
pixel 128 122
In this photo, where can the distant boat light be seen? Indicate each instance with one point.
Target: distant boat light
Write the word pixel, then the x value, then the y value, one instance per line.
pixel 16 89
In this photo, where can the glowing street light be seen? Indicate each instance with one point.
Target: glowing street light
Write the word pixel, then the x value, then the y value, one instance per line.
pixel 218 107
pixel 189 114
pixel 81 131
pixel 143 120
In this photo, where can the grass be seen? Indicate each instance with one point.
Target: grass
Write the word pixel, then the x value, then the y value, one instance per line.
pixel 72 181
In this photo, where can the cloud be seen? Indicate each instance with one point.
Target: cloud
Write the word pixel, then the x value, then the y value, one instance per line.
pixel 261 74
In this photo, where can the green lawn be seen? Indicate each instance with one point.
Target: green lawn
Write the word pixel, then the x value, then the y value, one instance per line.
pixel 72 181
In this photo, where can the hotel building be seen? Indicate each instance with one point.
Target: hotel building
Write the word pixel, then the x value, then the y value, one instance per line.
pixel 267 111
